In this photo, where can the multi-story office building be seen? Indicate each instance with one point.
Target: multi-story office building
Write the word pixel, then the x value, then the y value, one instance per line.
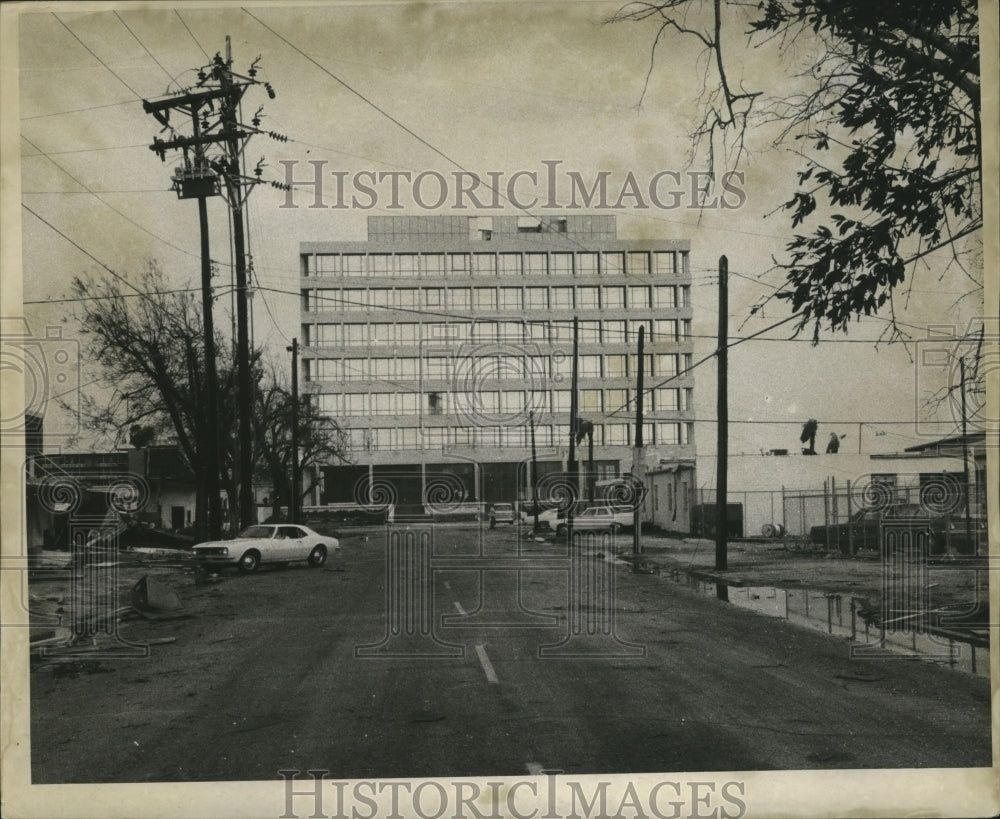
pixel 443 344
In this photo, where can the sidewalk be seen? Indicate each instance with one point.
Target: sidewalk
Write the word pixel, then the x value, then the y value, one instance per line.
pixel 792 566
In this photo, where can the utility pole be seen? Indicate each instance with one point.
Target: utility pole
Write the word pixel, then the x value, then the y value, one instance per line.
pixel 574 472
pixel 638 453
pixel 722 412
pixel 214 501
pixel 591 478
pixel 293 501
pixel 244 388
pixel 196 180
pixel 534 466
pixel 965 460
pixel 217 82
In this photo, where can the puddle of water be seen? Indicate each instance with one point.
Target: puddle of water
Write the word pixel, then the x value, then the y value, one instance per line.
pixel 905 636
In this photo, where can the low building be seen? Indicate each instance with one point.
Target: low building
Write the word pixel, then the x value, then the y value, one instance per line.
pixel 795 492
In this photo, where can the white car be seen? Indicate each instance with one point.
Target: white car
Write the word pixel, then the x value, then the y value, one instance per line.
pixel 277 543
pixel 612 518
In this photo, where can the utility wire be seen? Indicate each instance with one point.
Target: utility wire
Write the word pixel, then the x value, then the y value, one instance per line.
pixel 90 255
pixel 499 316
pixel 79 110
pixel 85 150
pixel 565 236
pixel 107 204
pixel 701 361
pixel 207 57
pixel 92 54
pixel 119 296
pixel 140 42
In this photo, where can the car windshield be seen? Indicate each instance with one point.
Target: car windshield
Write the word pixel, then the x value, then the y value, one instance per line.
pixel 503 507
pixel 257 531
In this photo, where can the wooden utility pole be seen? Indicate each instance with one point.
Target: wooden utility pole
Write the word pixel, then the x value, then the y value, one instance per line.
pixel 293 501
pixel 212 483
pixel 534 467
pixel 218 84
pixel 965 461
pixel 722 413
pixel 638 453
pixel 574 471
pixel 244 385
pixel 194 179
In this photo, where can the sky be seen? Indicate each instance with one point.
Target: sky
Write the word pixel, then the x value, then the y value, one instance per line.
pixel 481 87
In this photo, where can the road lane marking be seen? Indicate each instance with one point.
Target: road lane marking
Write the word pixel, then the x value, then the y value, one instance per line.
pixel 484 661
pixel 533 768
pixel 460 610
pixel 447 585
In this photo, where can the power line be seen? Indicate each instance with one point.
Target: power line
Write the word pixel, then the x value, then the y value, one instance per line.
pixel 192 35
pixel 565 236
pixel 93 192
pixel 500 317
pixel 92 54
pixel 108 204
pixel 85 150
pixel 118 296
pixel 89 254
pixel 140 42
pixel 698 363
pixel 79 110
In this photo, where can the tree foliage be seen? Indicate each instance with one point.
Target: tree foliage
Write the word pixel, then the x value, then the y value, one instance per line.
pixel 147 344
pixel 887 124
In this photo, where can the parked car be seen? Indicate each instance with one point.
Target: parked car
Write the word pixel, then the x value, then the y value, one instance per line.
pixel 548 518
pixel 612 518
pixel 279 544
pixel 864 530
pixel 502 513
pixel 951 535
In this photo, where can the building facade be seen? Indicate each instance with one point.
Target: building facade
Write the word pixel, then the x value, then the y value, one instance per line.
pixel 443 345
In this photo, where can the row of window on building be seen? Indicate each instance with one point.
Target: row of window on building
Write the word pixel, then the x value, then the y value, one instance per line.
pixel 546 435
pixel 607 263
pixel 478 369
pixel 608 331
pixel 512 404
pixel 584 297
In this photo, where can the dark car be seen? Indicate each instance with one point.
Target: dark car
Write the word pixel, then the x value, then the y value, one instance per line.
pixel 863 531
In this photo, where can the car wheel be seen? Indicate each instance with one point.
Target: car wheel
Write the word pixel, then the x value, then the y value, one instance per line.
pixel 561 529
pixel 317 557
pixel 249 563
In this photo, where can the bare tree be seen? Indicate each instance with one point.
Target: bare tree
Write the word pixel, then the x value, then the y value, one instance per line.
pixel 146 344
pixel 321 440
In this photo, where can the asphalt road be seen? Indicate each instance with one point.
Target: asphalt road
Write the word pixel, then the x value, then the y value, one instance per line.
pixel 574 665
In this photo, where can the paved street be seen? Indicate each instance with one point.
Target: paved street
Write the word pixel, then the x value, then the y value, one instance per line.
pixel 266 675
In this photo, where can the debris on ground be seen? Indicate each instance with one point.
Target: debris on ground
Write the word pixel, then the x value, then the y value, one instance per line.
pixel 155 600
